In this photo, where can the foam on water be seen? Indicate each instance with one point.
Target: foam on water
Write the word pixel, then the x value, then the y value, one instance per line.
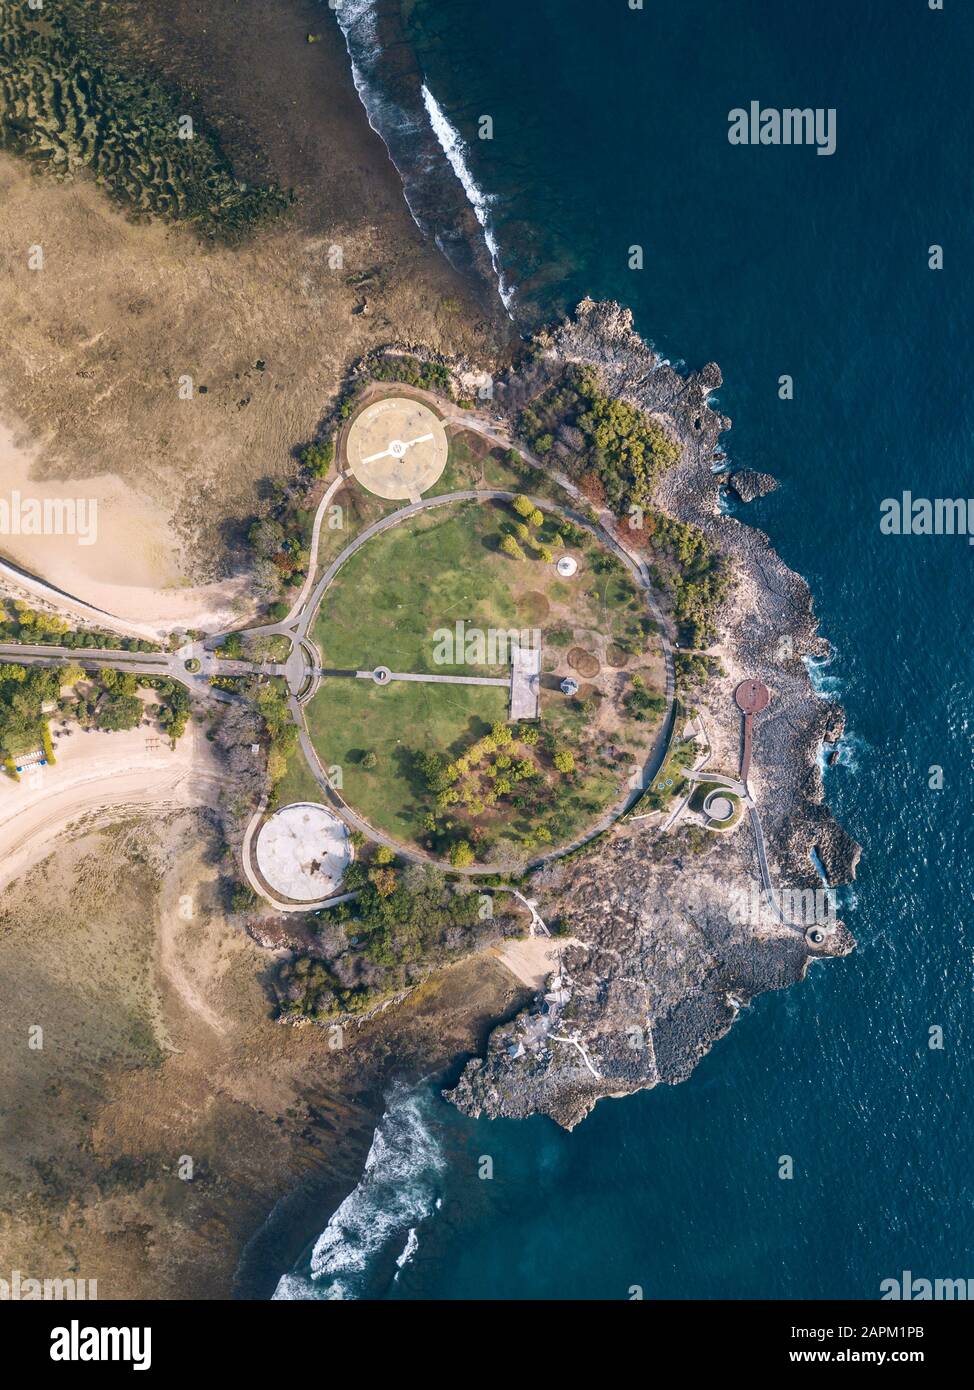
pixel 352 1257
pixel 406 135
pixel 455 148
pixel 828 687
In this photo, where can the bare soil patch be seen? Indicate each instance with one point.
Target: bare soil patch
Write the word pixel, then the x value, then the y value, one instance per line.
pixel 585 663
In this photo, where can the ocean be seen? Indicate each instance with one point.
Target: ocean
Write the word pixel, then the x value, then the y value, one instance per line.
pixel 609 131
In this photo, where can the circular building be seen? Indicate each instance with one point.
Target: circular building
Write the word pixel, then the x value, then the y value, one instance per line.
pixel 752 696
pixel 566 566
pixel 397 448
pixel 303 851
pixel 718 806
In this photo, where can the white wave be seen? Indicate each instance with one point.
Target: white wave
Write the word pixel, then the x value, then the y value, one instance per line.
pixel 397 1190
pixel 403 134
pixel 822 683
pixel 356 19
pixel 409 1249
pixel 293 1288
pixel 455 148
pixel 849 749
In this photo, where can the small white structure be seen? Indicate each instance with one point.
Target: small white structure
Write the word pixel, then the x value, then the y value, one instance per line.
pixel 303 851
pixel 525 683
pixel 569 686
pixel 566 566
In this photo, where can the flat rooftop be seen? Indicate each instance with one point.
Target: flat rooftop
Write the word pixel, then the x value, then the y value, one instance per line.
pixel 526 683
pixel 303 852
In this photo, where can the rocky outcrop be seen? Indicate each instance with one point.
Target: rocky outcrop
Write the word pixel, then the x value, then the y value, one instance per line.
pixel 746 484
pixel 675 934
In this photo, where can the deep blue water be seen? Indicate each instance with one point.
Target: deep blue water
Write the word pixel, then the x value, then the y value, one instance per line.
pixel 610 129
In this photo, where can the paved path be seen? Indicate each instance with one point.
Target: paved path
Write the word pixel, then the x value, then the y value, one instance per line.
pixel 302 673
pixel 607 537
pixel 160 665
pixel 438 680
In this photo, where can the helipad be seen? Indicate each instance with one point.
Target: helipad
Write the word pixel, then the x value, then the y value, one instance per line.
pixel 397 448
pixel 303 852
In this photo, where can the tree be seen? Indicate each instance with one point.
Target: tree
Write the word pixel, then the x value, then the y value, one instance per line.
pixel 384 881
pixel 266 537
pixel 318 458
pixel 116 712
pixel 565 760
pixel 523 505
pixel 461 854
pixel 384 855
pixel 369 761
pixel 510 547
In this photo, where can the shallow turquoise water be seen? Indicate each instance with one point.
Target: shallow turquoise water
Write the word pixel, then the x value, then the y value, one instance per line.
pixel 610 130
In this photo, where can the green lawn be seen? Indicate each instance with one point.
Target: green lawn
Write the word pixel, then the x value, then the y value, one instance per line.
pixel 386 606
pixel 349 718
pixel 297 784
pixel 395 593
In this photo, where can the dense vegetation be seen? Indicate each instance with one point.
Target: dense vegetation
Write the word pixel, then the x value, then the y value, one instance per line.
pixel 427 376
pixel 32 627
pixel 612 451
pixel 24 691
pixel 616 455
pixel 270 700
pixel 280 539
pixel 68 98
pixel 405 922
pixel 694 573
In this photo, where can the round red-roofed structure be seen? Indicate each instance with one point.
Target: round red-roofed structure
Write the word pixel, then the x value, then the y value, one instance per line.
pixel 752 696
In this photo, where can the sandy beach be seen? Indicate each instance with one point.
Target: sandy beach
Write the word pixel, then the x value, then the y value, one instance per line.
pixel 100 339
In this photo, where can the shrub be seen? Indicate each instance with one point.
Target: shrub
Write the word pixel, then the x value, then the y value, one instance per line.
pixel 510 547
pixel 318 458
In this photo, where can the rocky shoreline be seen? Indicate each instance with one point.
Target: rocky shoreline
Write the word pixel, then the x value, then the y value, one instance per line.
pixel 664 957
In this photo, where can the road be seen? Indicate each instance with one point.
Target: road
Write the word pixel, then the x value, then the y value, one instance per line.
pixel 302 670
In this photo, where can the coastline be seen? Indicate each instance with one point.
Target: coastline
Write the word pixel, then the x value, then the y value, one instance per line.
pixel 265 330
pixel 787 765
pixel 663 952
